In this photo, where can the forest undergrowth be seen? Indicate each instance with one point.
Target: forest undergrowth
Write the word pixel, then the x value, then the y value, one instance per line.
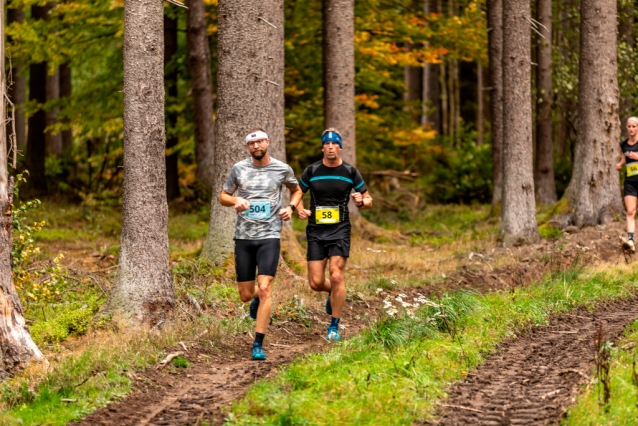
pixel 92 363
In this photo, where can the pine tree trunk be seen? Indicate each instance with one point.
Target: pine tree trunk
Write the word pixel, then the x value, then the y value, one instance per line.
pixel 142 293
pixel 544 171
pixel 413 79
pixel 53 140
pixel 495 49
pixel 202 89
pixel 444 98
pixel 338 77
pixel 170 81
pixel 627 67
pixel 36 147
pixel 16 346
pixel 65 92
pixel 250 94
pixel 518 218
pixel 431 87
pixel 17 89
pixel 592 196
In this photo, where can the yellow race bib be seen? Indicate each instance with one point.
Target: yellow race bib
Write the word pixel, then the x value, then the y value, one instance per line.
pixel 327 215
pixel 632 169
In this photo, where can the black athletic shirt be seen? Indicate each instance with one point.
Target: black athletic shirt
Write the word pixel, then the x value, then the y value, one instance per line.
pixel 626 149
pixel 330 187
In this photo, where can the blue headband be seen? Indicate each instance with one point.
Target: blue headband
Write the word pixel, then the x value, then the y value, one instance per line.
pixel 332 137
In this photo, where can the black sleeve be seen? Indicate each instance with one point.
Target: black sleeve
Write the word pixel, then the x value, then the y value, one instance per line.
pixel 359 184
pixel 305 180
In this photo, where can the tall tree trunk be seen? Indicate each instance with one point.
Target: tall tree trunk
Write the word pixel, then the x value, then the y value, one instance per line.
pixel 53 139
pixel 250 94
pixel 480 106
pixel 445 128
pixel 143 290
pixel 338 77
pixel 431 86
pixel 202 89
pixel 627 67
pixel 592 196
pixel 65 92
pixel 16 346
pixel 17 88
pixel 413 79
pixel 518 219
pixel 36 139
pixel 170 81
pixel 495 49
pixel 544 171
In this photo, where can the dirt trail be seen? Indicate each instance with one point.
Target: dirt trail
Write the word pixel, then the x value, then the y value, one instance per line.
pixel 534 378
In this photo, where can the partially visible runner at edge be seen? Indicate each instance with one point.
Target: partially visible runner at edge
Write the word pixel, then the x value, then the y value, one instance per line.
pixel 330 182
pixel 629 148
pixel 258 181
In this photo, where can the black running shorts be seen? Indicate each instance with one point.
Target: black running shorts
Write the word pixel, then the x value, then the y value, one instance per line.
pixel 320 250
pixel 631 189
pixel 262 255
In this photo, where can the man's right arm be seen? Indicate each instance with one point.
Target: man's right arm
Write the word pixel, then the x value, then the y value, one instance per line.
pixel 227 200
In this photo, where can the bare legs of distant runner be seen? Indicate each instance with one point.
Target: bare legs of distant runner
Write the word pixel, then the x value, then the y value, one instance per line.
pixel 630 204
pixel 335 284
pixel 262 289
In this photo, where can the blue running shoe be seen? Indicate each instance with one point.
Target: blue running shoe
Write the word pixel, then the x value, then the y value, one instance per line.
pixel 254 307
pixel 328 305
pixel 258 352
pixel 333 333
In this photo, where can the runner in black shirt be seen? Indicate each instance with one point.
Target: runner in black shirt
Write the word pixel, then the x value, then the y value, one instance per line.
pixel 331 182
pixel 629 149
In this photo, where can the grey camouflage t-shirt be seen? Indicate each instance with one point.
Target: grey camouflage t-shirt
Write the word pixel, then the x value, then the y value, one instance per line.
pixel 261 186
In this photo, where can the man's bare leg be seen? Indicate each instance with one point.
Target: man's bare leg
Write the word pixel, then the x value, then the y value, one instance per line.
pixel 337 284
pixel 264 291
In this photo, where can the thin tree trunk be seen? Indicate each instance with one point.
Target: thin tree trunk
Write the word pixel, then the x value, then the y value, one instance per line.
pixel 65 92
pixel 627 67
pixel 592 196
pixel 544 171
pixel 53 139
pixel 250 94
pixel 480 119
pixel 17 88
pixel 16 346
pixel 518 219
pixel 142 293
pixel 338 77
pixel 170 81
pixel 36 146
pixel 202 89
pixel 413 79
pixel 444 98
pixel 495 48
pixel 457 103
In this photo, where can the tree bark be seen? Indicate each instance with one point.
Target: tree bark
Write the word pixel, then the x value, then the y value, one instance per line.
pixel 627 67
pixel 17 89
pixel 65 92
pixel 431 96
pixel 518 219
pixel 36 146
pixel 338 78
pixel 592 196
pixel 202 89
pixel 250 94
pixel 142 293
pixel 495 49
pixel 413 79
pixel 16 346
pixel 544 171
pixel 53 140
pixel 170 82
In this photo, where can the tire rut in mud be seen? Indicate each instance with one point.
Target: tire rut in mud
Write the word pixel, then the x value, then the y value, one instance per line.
pixel 534 378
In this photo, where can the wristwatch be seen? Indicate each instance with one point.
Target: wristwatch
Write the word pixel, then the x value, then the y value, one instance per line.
pixel 360 205
pixel 293 207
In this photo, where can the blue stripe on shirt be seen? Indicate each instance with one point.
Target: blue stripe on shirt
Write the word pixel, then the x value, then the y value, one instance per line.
pixel 332 177
pixel 304 183
pixel 360 185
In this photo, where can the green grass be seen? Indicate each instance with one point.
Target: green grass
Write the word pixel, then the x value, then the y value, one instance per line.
pixel 397 371
pixel 623 406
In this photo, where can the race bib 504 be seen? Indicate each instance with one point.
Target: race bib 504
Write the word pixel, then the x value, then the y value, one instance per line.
pixel 258 210
pixel 632 169
pixel 327 215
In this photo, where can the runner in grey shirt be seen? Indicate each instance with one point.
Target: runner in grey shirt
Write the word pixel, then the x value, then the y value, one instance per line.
pixel 257 182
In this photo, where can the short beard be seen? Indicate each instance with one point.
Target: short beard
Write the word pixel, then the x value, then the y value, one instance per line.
pixel 256 155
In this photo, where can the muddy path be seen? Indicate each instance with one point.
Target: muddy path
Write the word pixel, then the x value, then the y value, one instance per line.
pixel 533 378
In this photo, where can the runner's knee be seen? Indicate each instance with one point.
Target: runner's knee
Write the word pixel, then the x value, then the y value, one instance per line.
pixel 245 296
pixel 336 278
pixel 631 212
